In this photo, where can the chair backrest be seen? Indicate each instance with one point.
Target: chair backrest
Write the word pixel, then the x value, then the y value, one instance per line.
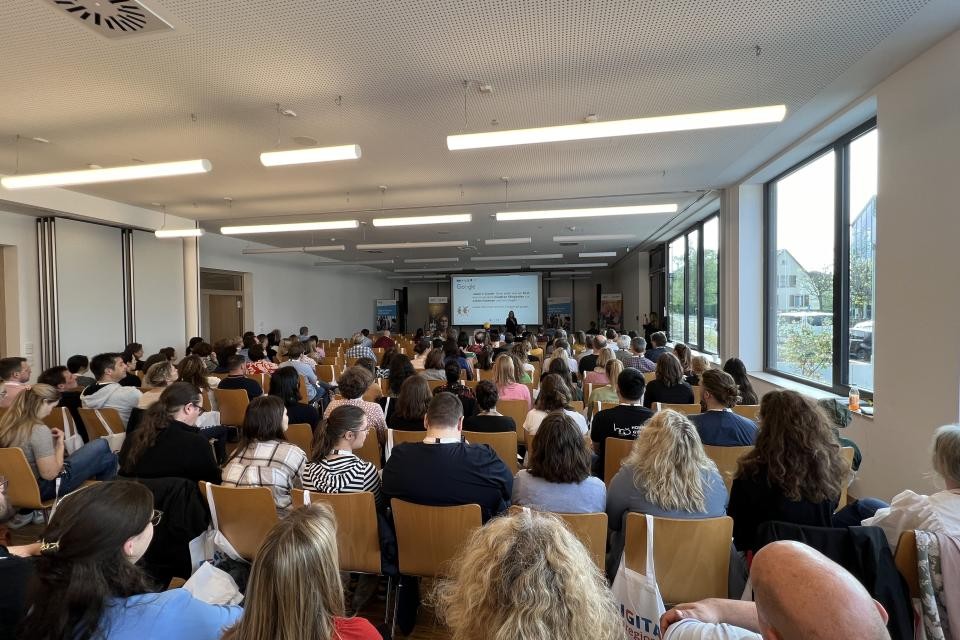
pixel 747 411
pixel 697 391
pixel 590 529
pixel 57 418
pixel 373 392
pixel 370 451
pixel 326 372
pixel 485 374
pixel 244 515
pixel 93 425
pixel 399 436
pixel 504 444
pixel 232 404
pixel 587 390
pixel 685 409
pixel 906 561
pixel 726 459
pixel 262 379
pixel 301 435
pixel 614 451
pixel 358 542
pixel 428 538
pixel 433 384
pixel 691 557
pixel 22 489
pixel 649 376
pixel 847 453
pixel 516 409
pixel 303 389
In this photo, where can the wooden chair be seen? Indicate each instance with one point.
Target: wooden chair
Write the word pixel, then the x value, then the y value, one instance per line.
pixel 726 459
pixel 301 435
pixel 649 376
pixel 233 405
pixel 303 390
pixel 615 450
pixel 587 390
pixel 22 489
pixel 433 384
pixel 357 540
pixel 504 444
pixel 691 557
pixel 263 379
pixel 747 411
pixel 244 515
pixel 326 372
pixel 847 453
pixel 685 409
pixel 370 451
pixel 95 428
pixel 485 374
pixel 58 418
pixel 576 405
pixel 697 393
pixel 589 528
pixel 906 560
pixel 516 409
pixel 384 386
pixel 401 436
pixel 428 538
pixel 373 392
pixel 471 384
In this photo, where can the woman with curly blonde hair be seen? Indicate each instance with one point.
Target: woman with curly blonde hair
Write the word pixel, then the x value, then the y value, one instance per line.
pixel 793 474
pixel 526 576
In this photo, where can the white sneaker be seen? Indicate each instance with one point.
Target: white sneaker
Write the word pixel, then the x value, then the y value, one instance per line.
pixel 20 520
pixel 38 517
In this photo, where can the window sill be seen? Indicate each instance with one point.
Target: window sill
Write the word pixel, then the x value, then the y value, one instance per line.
pixel 799 387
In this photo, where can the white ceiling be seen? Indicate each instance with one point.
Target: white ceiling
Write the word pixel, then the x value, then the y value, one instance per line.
pixel 399 68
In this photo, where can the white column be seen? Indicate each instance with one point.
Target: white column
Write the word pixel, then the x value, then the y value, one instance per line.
pixel 191 286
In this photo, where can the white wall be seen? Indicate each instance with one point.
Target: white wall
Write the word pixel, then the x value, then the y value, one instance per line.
pixel 288 291
pixel 631 277
pixel 20 231
pixel 158 292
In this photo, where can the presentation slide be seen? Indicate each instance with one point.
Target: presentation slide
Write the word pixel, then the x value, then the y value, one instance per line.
pixel 489 298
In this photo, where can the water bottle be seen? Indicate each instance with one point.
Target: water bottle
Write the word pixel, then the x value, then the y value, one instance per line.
pixel 854 398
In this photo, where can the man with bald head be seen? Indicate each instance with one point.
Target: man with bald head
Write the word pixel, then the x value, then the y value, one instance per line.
pixel 800 595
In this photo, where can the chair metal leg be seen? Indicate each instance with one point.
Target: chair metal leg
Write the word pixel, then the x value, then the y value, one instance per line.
pixel 396 601
pixel 386 609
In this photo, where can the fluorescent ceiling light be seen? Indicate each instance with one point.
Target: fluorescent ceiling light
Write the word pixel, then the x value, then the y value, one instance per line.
pixel 414 220
pixel 445 269
pixel 594 212
pixel 295 226
pixel 344 263
pixel 501 267
pixel 413 245
pixel 598 254
pixel 178 233
pixel 424 260
pixel 307 156
pixel 610 236
pixel 614 128
pixel 532 256
pixel 110 174
pixel 568 266
pixel 497 241
pixel 569 273
pixel 334 247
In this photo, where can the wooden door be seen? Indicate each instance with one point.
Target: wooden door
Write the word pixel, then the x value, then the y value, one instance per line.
pixel 226 316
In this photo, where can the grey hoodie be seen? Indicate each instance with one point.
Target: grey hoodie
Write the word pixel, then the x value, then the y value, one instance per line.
pixel 111 396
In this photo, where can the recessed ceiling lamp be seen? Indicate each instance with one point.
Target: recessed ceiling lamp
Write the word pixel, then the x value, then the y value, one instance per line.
pixel 598 254
pixel 334 247
pixel 328 262
pixel 609 236
pixel 499 267
pixel 615 128
pixel 178 233
pixel 532 256
pixel 497 241
pixel 585 265
pixel 415 220
pixel 295 226
pixel 110 174
pixel 413 245
pixel 595 212
pixel 443 270
pixel 308 156
pixel 425 260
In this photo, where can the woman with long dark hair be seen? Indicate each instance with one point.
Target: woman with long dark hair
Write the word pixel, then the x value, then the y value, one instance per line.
pixel 736 368
pixel 412 405
pixel 87 584
pixel 285 384
pixel 669 386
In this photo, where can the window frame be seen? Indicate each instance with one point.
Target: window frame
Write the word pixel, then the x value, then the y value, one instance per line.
pixel 701 290
pixel 841 264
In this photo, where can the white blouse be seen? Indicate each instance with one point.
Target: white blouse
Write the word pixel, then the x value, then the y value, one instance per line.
pixel 939 513
pixel 535 416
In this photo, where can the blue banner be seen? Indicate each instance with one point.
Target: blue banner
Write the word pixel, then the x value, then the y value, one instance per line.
pixel 386 315
pixel 560 313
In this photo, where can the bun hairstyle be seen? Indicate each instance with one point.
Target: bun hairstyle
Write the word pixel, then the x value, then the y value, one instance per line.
pixel 341 420
pixel 721 386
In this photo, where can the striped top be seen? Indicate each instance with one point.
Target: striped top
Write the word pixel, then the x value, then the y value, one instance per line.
pixel 373 411
pixel 346 474
pixel 274 464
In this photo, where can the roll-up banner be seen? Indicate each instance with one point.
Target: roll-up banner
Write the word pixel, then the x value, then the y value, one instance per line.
pixel 438 312
pixel 560 313
pixel 386 317
pixel 611 310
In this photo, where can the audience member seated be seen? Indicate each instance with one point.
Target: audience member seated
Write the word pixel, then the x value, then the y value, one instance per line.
pixel 457 388
pixel 488 419
pixel 522 352
pixel 334 467
pixel 263 457
pixel 793 474
pixel 666 475
pixel 167 444
pixel 16 569
pixel 799 594
pixel 658 342
pixel 553 396
pixel 259 363
pixel 578 341
pixel 384 341
pixel 87 583
pixel 526 577
pixel 682 352
pixel 410 408
pixel 312 353
pixel 505 377
pixel 400 369
pixel 557 477
pixel 158 377
pixel 623 421
pixel 80 366
pixel 561 351
pixel 421 350
pixel 698 365
pixel 433 367
pixel 608 392
pixel 718 425
pixel 247 341
pixel 14 374
pixel 636 359
pixel 308 371
pixel 361 347
pixel 237 378
pixel 736 368
pixel 130 379
pixel 479 341
pixel 353 383
pixel 668 387
pixel 939 512
pixel 560 366
pixel 623 347
pixel 588 359
pixel 523 376
pixel 535 353
pixel 286 601
pixel 285 384
pixel 598 375
pixel 66 383
pixel 108 369
pixel 371 366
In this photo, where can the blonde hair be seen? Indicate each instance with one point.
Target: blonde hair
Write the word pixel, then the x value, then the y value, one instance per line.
pixel 668 462
pixel 504 372
pixel 24 413
pixel 605 356
pixel 946 452
pixel 294 590
pixel 613 369
pixel 526 576
pixel 699 364
pixel 158 374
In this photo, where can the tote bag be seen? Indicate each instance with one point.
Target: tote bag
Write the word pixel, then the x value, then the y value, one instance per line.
pixel 71 439
pixel 638 596
pixel 210 541
pixel 114 439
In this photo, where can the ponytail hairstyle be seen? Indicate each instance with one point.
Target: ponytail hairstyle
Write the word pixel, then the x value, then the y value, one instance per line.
pixel 193 370
pixel 341 420
pixel 156 419
pixel 721 386
pixel 613 369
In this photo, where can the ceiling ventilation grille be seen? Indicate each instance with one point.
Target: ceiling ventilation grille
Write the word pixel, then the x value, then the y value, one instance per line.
pixel 113 18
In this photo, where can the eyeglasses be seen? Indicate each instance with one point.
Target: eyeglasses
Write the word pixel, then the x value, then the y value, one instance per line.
pixel 199 407
pixel 364 430
pixel 155 518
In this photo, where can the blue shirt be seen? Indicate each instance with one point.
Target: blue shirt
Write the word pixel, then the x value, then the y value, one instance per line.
pixel 725 429
pixel 307 372
pixel 167 615
pixel 588 496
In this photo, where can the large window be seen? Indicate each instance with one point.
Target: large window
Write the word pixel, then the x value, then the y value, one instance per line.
pixel 693 296
pixel 821 239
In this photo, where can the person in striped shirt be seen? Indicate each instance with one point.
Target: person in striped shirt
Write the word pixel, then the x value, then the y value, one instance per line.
pixel 334 467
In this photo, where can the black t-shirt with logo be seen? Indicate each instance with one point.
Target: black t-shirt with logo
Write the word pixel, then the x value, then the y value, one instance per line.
pixel 623 421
